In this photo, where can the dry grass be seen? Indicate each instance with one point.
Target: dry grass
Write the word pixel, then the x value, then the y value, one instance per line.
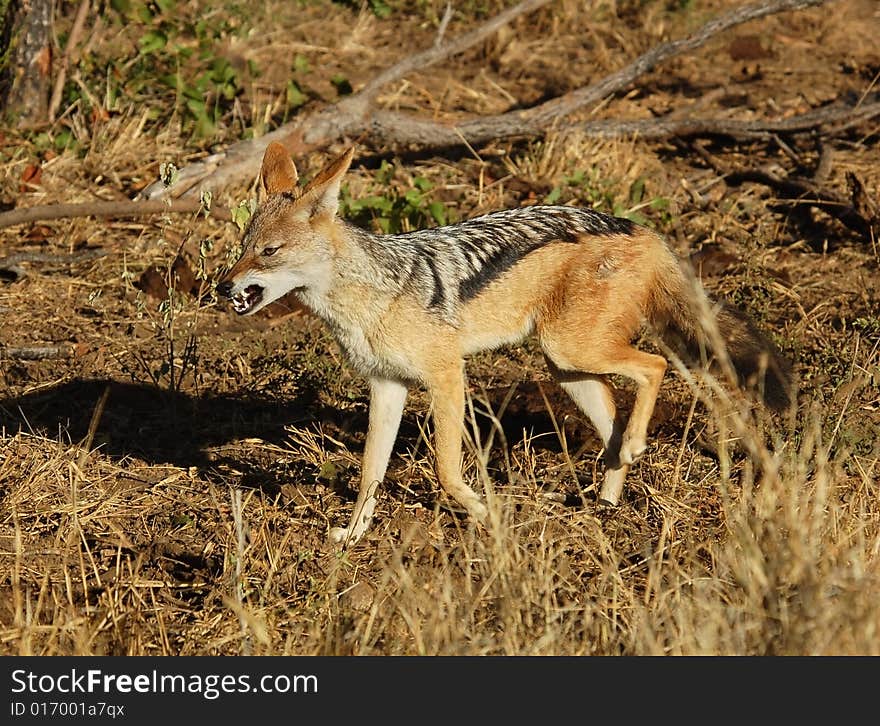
pixel 191 518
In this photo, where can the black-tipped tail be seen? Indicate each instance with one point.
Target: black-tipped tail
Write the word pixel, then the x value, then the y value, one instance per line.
pixel 757 362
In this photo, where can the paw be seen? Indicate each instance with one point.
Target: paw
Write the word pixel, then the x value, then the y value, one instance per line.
pixel 340 536
pixel 477 510
pixel 631 450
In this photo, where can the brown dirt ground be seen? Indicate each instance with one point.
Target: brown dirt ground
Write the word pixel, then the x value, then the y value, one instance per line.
pixel 123 539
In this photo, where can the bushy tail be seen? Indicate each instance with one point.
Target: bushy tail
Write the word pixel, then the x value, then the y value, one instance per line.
pixel 677 314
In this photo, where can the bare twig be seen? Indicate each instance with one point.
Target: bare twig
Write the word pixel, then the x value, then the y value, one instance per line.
pixel 36 352
pixel 46 212
pixel 72 41
pixel 240 551
pixel 578 99
pixel 427 58
pixel 444 23
pixel 12 271
pixel 97 413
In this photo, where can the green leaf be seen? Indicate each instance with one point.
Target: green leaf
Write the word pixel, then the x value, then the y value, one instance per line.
pixel 553 196
pixel 63 139
pixel 636 217
pixel 637 190
pixel 660 204
pixel 181 520
pixel 385 172
pixel 144 13
pixel 152 41
pixel 172 80
pixel 241 214
pixel 380 204
pixel 329 471
pixel 229 91
pixel 438 212
pixel 380 8
pixel 222 71
pixel 295 96
pixel 196 107
pixel 301 63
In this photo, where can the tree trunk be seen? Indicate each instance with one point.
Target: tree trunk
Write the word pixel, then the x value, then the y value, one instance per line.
pixel 25 59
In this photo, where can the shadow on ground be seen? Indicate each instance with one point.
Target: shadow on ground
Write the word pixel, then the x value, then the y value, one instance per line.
pixel 157 425
pixel 176 428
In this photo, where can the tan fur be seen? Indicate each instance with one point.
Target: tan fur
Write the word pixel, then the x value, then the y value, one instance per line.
pixel 584 301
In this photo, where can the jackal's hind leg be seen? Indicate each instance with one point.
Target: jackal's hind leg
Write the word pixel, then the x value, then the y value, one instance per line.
pixel 647 371
pixel 593 396
pixel 387 398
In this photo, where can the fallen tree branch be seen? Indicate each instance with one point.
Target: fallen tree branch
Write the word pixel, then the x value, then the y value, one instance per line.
pixel 36 352
pixel 390 127
pixel 355 115
pixel 12 271
pixel 47 212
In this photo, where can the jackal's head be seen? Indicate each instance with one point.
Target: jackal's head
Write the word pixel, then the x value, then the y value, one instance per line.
pixel 287 244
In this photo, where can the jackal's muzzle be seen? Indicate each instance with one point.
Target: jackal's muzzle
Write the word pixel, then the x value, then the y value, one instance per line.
pixel 243 301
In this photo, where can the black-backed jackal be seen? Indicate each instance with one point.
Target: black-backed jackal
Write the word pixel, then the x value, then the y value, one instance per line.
pixel 406 309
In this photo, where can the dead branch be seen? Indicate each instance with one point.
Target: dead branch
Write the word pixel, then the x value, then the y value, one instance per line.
pixel 36 352
pixel 72 41
pixel 46 212
pixel 12 271
pixel 356 116
pixel 395 128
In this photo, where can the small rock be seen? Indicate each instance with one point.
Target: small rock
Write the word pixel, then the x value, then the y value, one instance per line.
pixel 358 597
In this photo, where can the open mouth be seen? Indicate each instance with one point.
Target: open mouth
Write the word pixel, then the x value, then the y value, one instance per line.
pixel 245 301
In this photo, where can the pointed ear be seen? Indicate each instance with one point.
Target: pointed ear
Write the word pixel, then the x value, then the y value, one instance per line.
pixel 323 189
pixel 278 172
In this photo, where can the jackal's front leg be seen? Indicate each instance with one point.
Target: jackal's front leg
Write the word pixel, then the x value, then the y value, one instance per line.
pixel 447 391
pixel 386 407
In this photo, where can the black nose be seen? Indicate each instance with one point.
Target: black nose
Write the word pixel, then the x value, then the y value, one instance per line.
pixel 224 288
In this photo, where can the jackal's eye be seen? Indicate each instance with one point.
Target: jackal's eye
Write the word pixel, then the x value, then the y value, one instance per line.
pixel 269 251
